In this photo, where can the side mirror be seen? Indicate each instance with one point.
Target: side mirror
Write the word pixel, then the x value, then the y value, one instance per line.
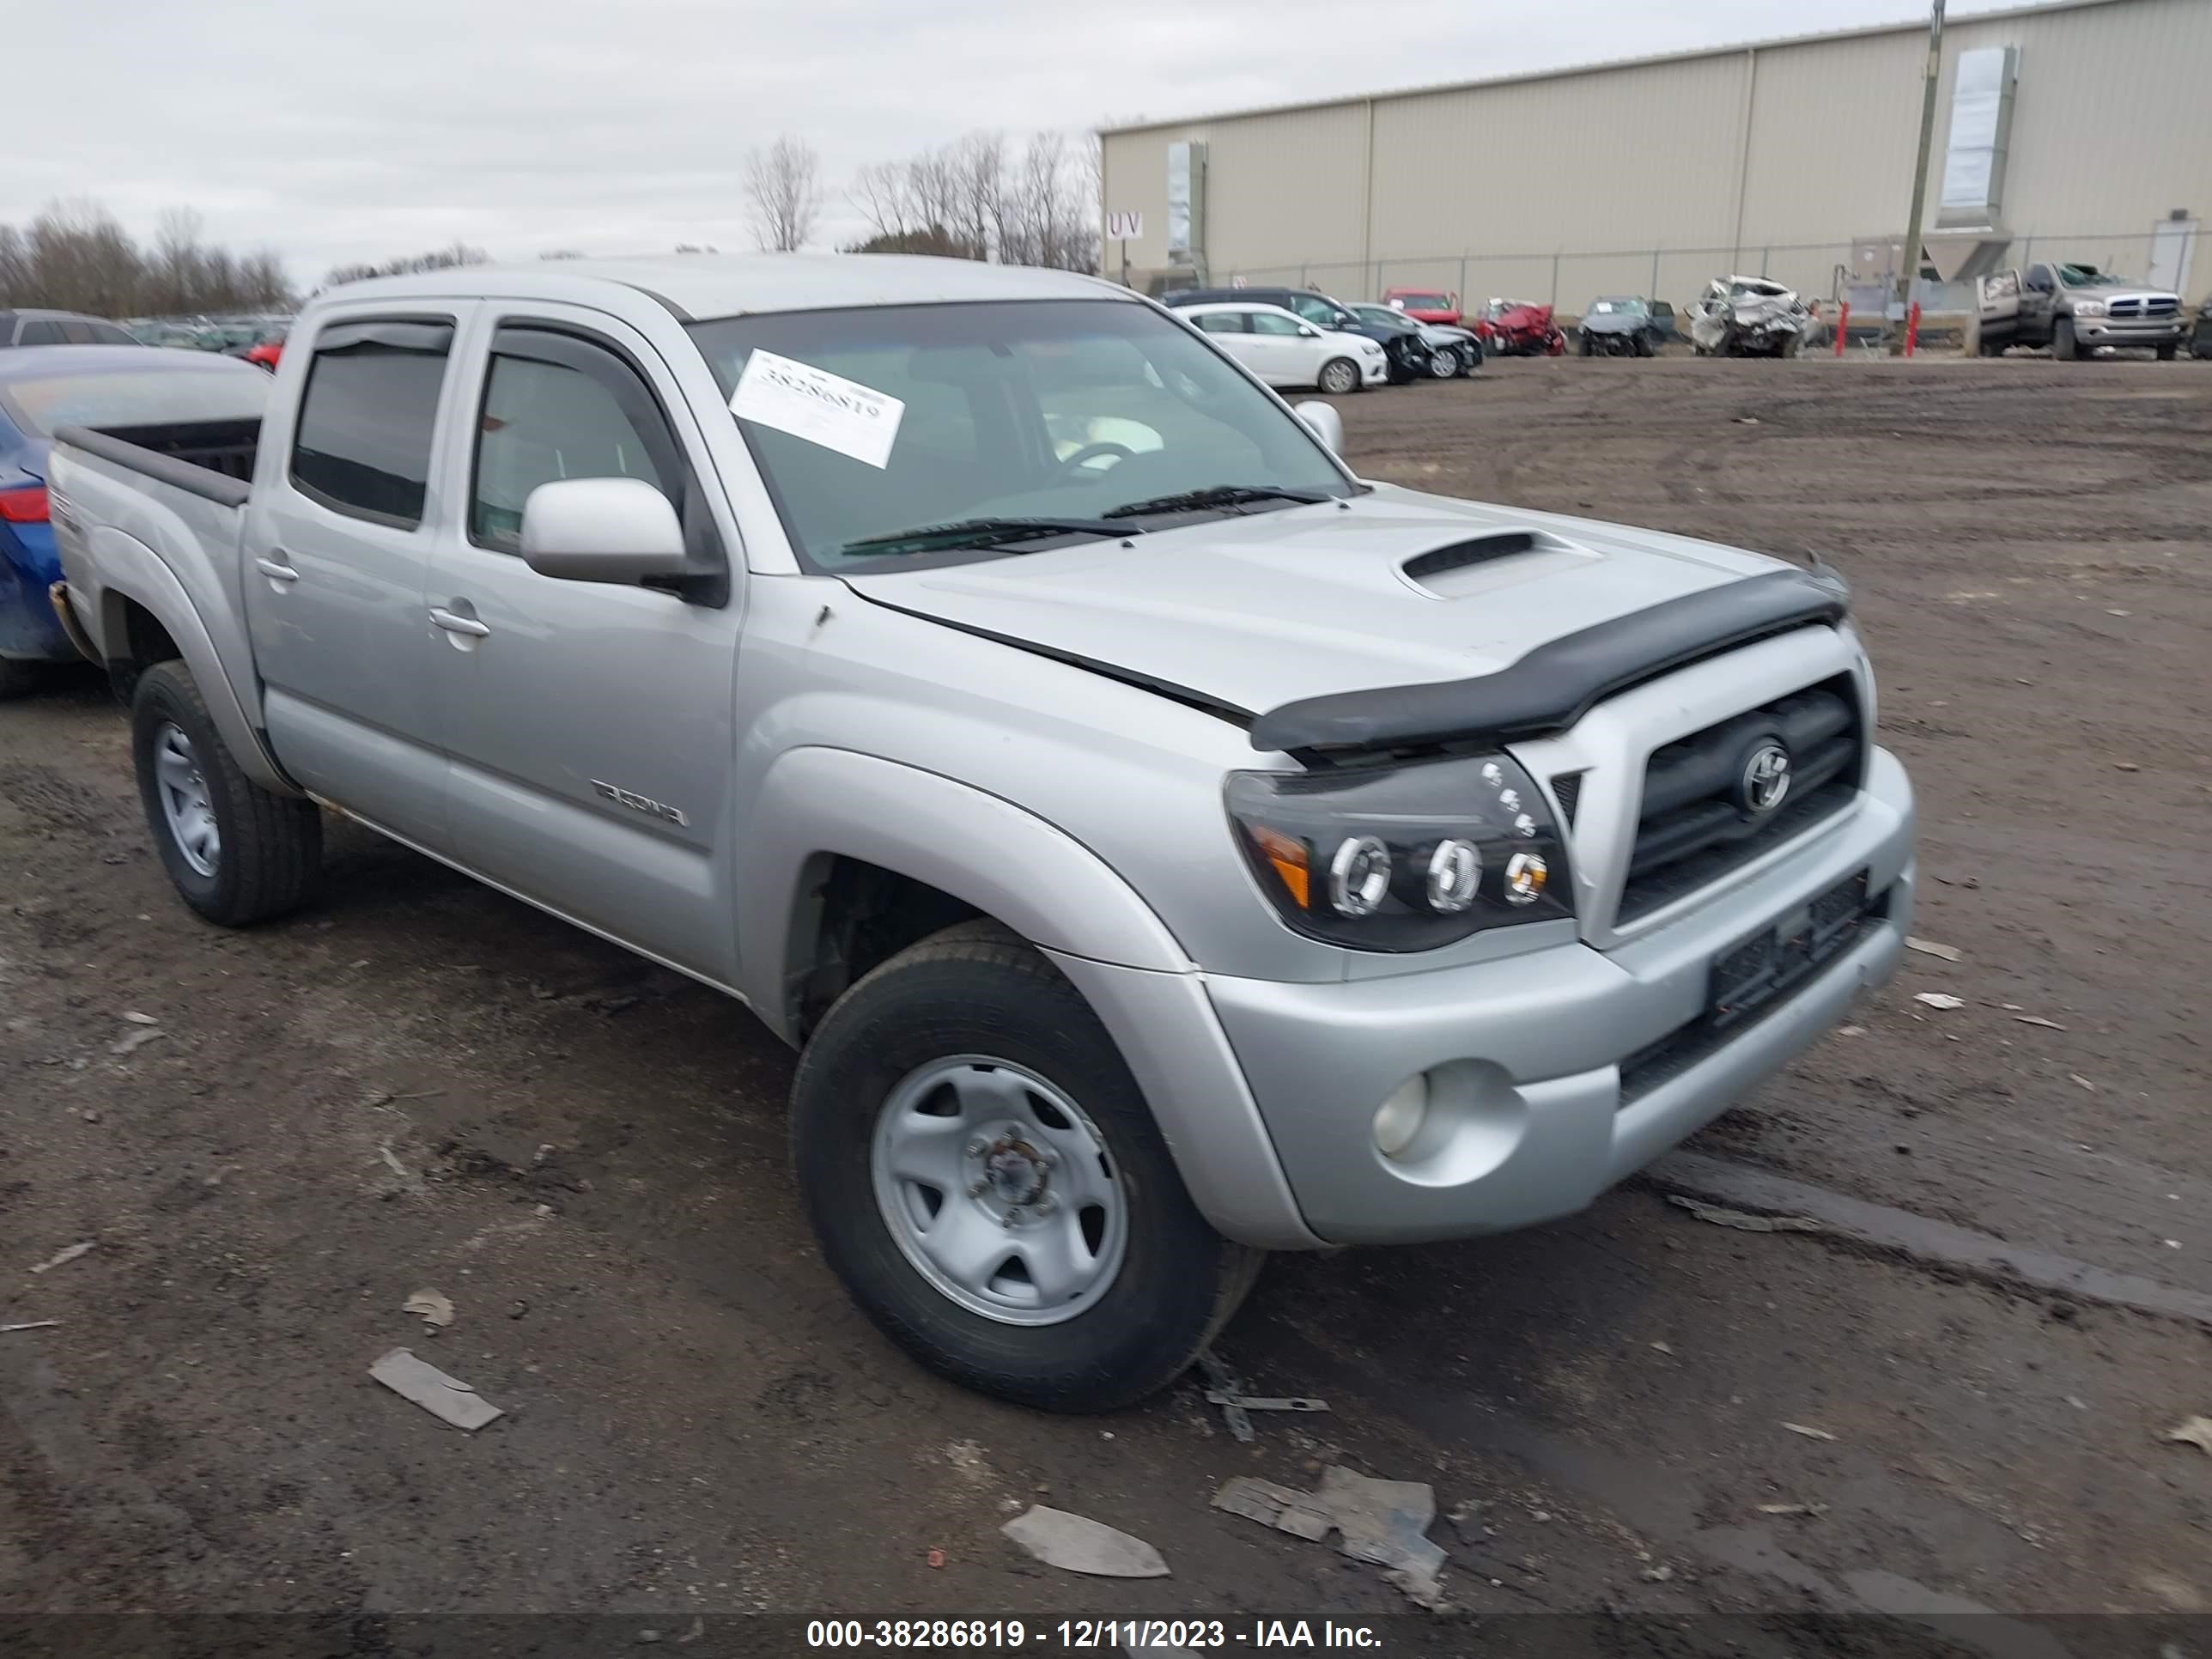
pixel 601 530
pixel 1324 422
pixel 1308 331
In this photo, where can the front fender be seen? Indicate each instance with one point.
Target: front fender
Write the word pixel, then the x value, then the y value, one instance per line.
pixel 129 571
pixel 1006 862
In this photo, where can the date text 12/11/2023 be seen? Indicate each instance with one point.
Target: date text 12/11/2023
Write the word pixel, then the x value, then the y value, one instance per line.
pixel 1086 1635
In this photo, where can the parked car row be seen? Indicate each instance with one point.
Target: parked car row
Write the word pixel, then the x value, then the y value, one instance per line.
pixel 1278 331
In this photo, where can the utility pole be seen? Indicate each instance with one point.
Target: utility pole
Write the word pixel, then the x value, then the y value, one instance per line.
pixel 1913 232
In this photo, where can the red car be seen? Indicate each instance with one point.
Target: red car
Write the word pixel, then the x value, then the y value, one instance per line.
pixel 1516 328
pixel 1425 305
pixel 265 355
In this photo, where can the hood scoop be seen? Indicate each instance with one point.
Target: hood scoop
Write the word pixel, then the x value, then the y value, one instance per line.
pixel 1482 564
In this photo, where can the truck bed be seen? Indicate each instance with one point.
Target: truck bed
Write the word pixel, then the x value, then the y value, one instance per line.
pixel 210 459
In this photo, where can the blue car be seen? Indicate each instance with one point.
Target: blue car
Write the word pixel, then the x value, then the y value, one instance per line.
pixel 45 387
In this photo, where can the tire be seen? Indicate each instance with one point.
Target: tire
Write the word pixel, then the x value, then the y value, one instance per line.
pixel 1443 363
pixel 264 856
pixel 2165 352
pixel 977 1007
pixel 2063 346
pixel 1339 377
pixel 1645 346
pixel 1586 348
pixel 19 679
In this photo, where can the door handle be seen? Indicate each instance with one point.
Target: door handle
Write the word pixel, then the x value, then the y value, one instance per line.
pixel 453 622
pixel 276 571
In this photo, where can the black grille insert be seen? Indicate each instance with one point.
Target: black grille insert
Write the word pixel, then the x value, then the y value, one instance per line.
pixel 1699 820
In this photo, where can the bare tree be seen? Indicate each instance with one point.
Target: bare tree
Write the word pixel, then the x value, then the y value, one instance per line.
pixel 784 184
pixel 563 253
pixel 408 265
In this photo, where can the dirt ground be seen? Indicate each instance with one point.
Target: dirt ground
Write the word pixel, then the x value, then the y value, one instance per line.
pixel 422 1084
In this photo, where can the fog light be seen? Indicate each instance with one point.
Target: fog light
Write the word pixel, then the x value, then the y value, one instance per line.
pixel 1398 1121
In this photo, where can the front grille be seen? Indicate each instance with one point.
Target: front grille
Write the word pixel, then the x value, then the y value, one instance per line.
pixel 1567 790
pixel 1697 822
pixel 2152 307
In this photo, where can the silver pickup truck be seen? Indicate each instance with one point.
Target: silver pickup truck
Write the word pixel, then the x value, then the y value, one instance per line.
pixel 1164 847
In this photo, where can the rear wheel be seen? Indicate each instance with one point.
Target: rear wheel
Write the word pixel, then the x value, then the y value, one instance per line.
pixel 235 852
pixel 1340 376
pixel 984 1175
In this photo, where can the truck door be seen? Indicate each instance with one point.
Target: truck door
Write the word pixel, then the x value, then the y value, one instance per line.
pixel 337 553
pixel 2039 306
pixel 1997 303
pixel 589 725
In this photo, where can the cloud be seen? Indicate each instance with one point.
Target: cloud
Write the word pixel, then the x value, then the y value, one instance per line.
pixel 336 131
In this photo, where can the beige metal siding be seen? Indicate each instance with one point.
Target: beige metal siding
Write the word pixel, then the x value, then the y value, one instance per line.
pixel 1774 158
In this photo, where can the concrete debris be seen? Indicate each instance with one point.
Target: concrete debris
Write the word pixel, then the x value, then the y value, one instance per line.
pixel 1809 1433
pixel 1793 1509
pixel 29 1325
pixel 2083 1081
pixel 63 1258
pixel 132 1042
pixel 137 1018
pixel 1928 947
pixel 442 1396
pixel 1076 1543
pixel 1382 1522
pixel 1940 1000
pixel 1657 1574
pixel 1743 1221
pixel 435 1309
pixel 2037 1019
pixel 2196 1431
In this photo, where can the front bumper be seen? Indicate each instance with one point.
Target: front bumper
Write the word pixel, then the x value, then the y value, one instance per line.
pixel 1373 371
pixel 2131 330
pixel 1524 1052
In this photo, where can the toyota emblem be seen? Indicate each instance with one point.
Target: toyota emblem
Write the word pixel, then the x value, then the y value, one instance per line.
pixel 1765 779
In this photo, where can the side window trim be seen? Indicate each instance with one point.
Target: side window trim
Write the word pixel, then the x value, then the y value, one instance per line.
pixel 617 370
pixel 423 333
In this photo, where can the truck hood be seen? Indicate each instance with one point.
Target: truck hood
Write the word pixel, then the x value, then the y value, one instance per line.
pixel 1393 588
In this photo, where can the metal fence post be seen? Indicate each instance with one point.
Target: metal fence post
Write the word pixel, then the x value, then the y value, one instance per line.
pixel 1460 293
pixel 1555 282
pixel 2026 251
pixel 1654 292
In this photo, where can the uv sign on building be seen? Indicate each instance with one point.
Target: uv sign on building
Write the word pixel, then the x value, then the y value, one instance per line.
pixel 2081 129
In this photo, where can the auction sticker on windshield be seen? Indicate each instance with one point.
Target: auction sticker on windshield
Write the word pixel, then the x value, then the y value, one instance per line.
pixel 819 406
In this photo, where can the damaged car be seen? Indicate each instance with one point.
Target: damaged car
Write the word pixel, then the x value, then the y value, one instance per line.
pixel 1519 328
pixel 1747 317
pixel 1622 326
pixel 1451 351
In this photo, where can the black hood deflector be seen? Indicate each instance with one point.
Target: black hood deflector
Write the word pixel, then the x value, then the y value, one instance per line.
pixel 1553 686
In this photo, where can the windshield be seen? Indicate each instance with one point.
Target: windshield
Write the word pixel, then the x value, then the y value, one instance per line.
pixel 192 391
pixel 1426 302
pixel 1611 307
pixel 1035 408
pixel 2090 277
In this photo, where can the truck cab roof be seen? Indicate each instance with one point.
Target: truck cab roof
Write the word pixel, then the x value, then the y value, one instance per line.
pixel 696 287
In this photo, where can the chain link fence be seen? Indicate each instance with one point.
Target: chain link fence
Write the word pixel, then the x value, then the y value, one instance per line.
pixel 1824 270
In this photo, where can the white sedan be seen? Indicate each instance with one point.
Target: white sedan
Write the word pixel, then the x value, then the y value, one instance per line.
pixel 1283 348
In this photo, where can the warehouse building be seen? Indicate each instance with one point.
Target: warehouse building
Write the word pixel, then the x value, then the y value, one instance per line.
pixel 2077 129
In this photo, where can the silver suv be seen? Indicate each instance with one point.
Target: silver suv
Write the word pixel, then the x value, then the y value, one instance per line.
pixel 1163 846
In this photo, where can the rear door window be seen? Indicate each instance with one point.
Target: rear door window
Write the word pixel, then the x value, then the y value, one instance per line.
pixel 362 447
pixel 42 330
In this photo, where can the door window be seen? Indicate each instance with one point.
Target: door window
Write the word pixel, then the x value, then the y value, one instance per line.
pixel 41 330
pixel 1266 322
pixel 1314 310
pixel 556 406
pixel 363 444
pixel 2038 279
pixel 1227 322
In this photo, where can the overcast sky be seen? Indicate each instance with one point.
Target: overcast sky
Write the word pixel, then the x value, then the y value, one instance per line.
pixel 341 131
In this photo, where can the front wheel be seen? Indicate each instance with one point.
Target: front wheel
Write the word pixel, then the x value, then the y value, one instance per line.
pixel 984 1175
pixel 1443 363
pixel 2165 352
pixel 1339 377
pixel 234 852
pixel 2063 346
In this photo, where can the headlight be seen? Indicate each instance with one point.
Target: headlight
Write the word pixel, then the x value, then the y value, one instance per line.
pixel 1403 857
pixel 2089 307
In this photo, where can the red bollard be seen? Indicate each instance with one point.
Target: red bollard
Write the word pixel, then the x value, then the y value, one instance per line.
pixel 1843 326
pixel 1912 328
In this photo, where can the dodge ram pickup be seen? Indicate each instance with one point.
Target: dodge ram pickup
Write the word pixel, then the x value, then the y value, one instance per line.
pixel 1163 846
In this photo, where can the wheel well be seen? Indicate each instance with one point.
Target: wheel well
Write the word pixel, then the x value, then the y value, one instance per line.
pixel 143 642
pixel 861 915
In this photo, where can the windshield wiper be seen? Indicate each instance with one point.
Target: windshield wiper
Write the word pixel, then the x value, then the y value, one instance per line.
pixel 1216 496
pixel 982 532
